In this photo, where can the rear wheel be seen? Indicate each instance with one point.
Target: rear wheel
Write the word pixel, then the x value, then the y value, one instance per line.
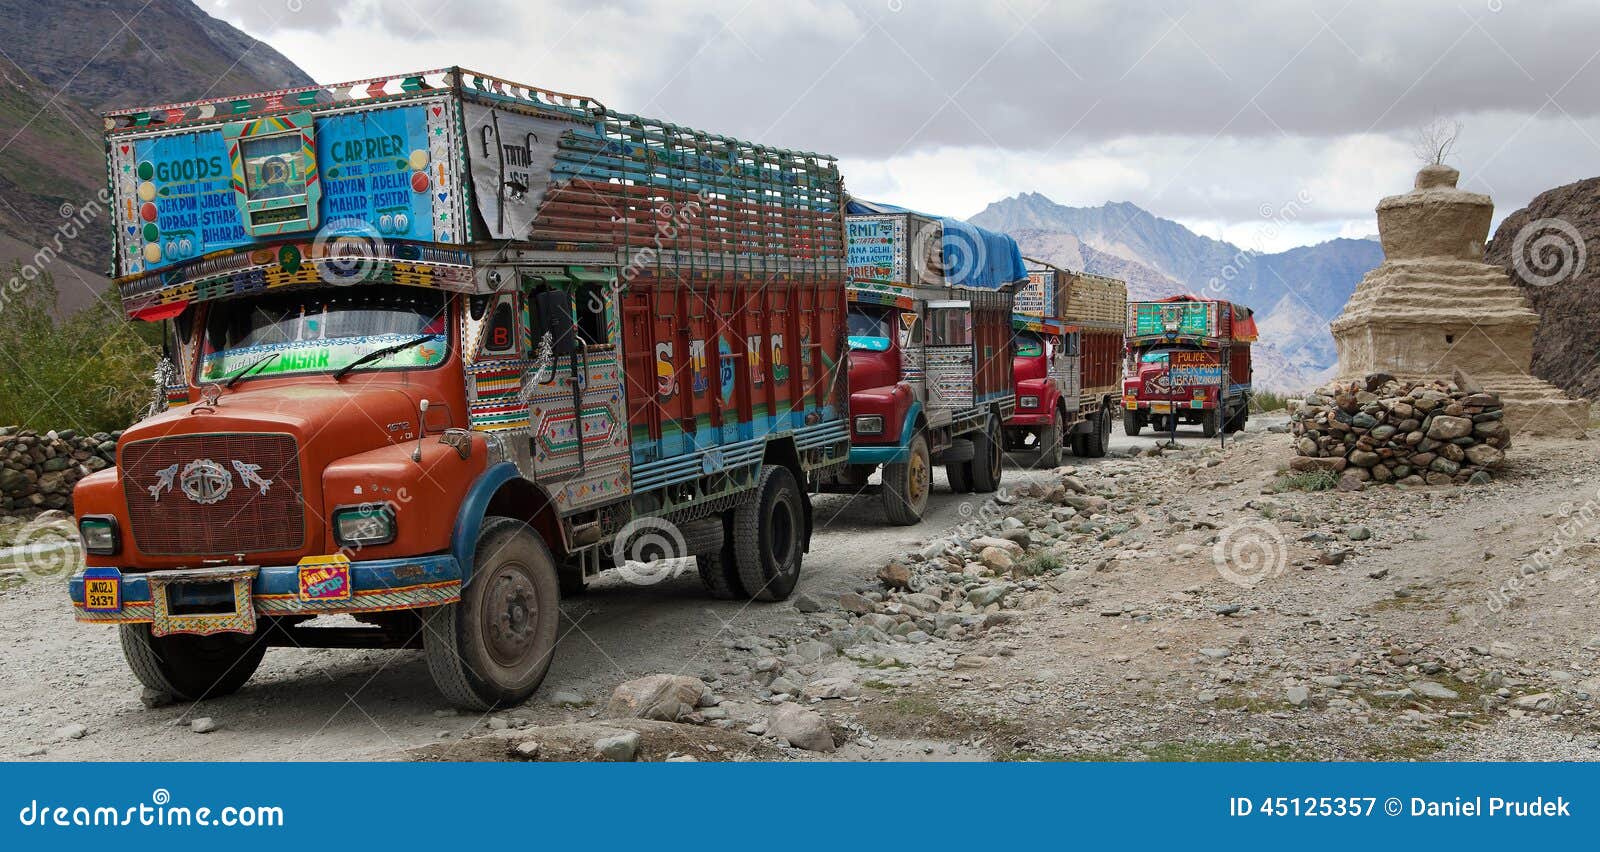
pixel 1050 440
pixel 1093 443
pixel 493 647
pixel 192 667
pixel 906 485
pixel 712 548
pixel 986 464
pixel 769 535
pixel 960 476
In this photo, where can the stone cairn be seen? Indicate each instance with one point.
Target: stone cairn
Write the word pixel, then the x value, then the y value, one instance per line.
pixel 1408 432
pixel 39 471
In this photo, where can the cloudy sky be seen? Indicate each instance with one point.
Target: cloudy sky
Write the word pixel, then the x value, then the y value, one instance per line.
pixel 1217 114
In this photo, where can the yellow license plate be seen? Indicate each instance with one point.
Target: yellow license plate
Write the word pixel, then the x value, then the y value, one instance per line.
pixel 1161 407
pixel 325 578
pixel 102 594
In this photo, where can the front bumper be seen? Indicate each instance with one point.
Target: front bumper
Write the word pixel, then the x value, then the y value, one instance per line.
pixel 1022 418
pixel 162 598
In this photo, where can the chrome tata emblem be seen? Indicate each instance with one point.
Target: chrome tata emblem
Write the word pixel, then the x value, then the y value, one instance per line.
pixel 204 481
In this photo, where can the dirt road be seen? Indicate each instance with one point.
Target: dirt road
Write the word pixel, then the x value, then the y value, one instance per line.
pixel 332 704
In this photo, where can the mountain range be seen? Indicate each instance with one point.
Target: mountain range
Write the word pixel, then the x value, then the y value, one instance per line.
pixel 1295 293
pixel 64 63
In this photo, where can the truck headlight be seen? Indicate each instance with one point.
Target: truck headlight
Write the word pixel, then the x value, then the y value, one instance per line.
pixel 99 535
pixel 364 525
pixel 1029 402
pixel 869 424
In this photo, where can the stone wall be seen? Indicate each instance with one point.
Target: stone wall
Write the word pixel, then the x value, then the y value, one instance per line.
pixel 1384 429
pixel 38 471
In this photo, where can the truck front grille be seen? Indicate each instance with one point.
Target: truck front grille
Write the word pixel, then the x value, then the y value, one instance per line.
pixel 213 494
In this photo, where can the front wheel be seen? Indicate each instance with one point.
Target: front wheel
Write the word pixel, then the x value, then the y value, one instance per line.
pixel 192 667
pixel 493 647
pixel 906 485
pixel 1130 423
pixel 1210 422
pixel 1050 441
pixel 769 535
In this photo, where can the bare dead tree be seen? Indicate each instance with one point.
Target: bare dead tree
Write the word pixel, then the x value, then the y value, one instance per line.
pixel 1436 140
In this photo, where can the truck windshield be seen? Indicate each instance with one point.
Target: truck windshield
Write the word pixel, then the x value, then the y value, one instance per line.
pixel 870 329
pixel 320 331
pixel 1029 345
pixel 1158 357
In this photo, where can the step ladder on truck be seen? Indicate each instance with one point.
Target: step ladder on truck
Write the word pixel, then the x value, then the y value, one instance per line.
pixel 1068 363
pixel 930 354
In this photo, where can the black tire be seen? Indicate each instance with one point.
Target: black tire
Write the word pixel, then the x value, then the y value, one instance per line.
pixel 192 667
pixel 493 648
pixel 718 570
pixel 1209 423
pixel 960 476
pixel 1095 442
pixel 1050 440
pixel 1130 423
pixel 906 485
pixel 987 465
pixel 769 535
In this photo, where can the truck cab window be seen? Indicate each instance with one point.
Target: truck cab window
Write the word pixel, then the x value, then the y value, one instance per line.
pixel 320 331
pixel 589 304
pixel 950 326
pixel 870 328
pixel 1029 345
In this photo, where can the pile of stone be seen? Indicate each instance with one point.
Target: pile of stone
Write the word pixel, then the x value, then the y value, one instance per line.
pixel 39 471
pixel 1383 429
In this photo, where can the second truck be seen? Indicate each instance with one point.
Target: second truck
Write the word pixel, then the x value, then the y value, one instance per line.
pixel 1188 361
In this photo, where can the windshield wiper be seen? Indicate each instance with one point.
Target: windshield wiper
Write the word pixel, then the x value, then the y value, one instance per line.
pixel 234 379
pixel 380 353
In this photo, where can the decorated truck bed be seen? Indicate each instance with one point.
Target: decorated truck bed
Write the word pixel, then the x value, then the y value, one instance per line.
pixel 1188 361
pixel 443 347
pixel 1068 328
pixel 930 353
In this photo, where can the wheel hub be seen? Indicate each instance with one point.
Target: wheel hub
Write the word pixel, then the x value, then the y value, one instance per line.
pixel 918 476
pixel 510 616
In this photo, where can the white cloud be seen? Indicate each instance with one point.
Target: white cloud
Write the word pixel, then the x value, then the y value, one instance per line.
pixel 1205 112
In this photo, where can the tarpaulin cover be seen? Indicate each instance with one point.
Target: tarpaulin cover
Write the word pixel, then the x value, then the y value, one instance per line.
pixel 973 256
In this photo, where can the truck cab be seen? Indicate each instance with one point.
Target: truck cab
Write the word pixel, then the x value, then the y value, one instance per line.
pixel 1187 361
pixel 418 375
pixel 929 361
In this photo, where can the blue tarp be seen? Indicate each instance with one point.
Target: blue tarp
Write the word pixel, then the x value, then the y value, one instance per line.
pixel 973 256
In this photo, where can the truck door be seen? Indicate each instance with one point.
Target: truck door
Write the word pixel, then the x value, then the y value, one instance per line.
pixel 950 355
pixel 576 410
pixel 1066 366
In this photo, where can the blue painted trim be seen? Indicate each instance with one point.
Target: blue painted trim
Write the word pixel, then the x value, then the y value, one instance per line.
pixel 889 455
pixel 374 575
pixel 469 518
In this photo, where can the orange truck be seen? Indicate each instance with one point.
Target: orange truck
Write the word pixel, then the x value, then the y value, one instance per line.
pixel 1067 362
pixel 1188 361
pixel 444 347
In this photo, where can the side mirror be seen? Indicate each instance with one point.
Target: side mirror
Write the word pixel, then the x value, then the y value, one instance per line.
pixel 555 319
